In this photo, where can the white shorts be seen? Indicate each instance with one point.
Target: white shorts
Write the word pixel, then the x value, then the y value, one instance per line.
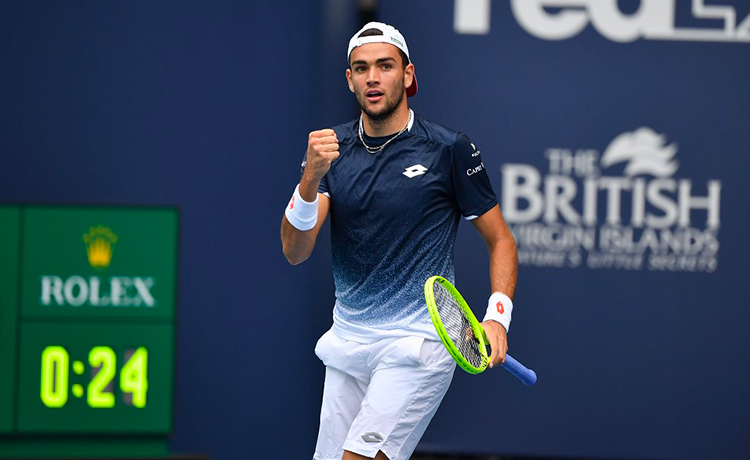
pixel 379 396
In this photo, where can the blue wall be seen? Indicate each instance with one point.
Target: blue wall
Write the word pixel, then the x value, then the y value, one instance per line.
pixel 633 363
pixel 205 105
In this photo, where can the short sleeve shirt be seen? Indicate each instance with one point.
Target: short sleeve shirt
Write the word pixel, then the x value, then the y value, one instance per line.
pixel 394 216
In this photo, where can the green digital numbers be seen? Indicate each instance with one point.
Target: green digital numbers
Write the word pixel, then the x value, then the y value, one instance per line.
pixel 133 377
pixel 55 377
pixel 103 358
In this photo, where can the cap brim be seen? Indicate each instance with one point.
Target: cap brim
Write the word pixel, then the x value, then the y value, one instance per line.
pixel 412 90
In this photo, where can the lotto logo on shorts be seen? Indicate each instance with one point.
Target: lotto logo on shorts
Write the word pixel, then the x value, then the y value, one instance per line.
pixel 372 436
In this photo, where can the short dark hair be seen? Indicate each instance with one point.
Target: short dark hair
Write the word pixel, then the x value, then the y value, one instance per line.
pixel 372 32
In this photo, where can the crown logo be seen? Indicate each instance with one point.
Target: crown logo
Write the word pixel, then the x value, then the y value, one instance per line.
pixel 99 241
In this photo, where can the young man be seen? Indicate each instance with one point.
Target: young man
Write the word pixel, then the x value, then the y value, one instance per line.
pixel 396 186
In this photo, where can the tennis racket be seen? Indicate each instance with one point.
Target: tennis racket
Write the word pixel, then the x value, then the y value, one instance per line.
pixel 461 333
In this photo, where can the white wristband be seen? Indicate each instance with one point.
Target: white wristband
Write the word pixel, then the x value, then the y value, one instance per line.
pixel 303 215
pixel 499 308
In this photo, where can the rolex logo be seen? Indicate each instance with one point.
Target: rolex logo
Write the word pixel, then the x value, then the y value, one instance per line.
pixel 99 241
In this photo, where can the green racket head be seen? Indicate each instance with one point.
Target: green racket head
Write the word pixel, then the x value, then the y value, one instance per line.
pixel 456 325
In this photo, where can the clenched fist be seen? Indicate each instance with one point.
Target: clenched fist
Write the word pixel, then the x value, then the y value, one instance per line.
pixel 322 149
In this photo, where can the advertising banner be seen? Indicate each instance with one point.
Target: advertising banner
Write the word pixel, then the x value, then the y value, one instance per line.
pixel 615 135
pixel 87 324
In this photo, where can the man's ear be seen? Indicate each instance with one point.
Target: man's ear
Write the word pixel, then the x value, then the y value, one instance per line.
pixel 349 80
pixel 408 75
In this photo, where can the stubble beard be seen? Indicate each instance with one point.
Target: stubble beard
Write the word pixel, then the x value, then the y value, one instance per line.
pixel 391 104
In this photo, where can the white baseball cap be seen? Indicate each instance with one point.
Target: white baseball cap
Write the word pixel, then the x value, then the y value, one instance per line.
pixel 390 35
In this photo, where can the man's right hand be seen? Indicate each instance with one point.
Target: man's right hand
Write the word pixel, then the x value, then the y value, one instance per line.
pixel 322 149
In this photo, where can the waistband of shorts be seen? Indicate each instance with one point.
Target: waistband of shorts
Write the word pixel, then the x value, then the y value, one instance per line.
pixel 362 334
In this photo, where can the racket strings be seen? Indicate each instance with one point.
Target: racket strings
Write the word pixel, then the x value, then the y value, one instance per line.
pixel 457 325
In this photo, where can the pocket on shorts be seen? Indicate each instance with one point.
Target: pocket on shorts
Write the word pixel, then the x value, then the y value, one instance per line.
pixel 433 352
pixel 404 352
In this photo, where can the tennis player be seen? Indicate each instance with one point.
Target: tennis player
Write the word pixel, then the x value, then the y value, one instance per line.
pixel 396 187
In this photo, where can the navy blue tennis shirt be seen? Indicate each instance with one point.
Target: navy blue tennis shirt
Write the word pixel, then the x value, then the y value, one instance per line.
pixel 394 217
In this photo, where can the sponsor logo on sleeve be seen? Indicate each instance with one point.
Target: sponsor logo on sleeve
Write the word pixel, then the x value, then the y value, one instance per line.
pixel 476 151
pixel 472 171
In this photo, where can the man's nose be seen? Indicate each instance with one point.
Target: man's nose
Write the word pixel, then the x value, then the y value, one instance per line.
pixel 373 76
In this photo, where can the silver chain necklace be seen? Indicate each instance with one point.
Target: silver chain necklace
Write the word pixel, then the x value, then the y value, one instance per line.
pixel 381 147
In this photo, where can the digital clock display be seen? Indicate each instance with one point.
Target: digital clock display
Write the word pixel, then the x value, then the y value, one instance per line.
pixel 56 376
pixel 87 320
pixel 95 378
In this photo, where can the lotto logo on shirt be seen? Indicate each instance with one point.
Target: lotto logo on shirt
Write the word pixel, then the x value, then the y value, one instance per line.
pixel 414 171
pixel 626 208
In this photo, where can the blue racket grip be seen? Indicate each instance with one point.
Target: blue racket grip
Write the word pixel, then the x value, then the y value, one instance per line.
pixel 527 376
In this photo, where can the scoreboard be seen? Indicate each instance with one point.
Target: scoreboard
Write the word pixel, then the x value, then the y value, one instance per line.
pixel 87 328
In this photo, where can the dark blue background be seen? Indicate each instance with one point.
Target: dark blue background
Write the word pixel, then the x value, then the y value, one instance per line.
pixel 632 364
pixel 207 105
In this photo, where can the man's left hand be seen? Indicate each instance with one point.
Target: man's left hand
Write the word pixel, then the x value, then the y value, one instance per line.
pixel 497 340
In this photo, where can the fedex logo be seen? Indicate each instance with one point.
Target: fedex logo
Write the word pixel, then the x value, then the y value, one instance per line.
pixel 654 20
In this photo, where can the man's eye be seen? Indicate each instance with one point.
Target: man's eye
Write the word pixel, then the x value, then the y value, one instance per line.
pixel 387 66
pixel 359 69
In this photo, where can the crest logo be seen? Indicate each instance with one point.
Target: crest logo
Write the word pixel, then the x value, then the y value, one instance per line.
pixel 99 242
pixel 645 151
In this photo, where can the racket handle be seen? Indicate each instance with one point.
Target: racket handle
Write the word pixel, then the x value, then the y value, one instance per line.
pixel 527 376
